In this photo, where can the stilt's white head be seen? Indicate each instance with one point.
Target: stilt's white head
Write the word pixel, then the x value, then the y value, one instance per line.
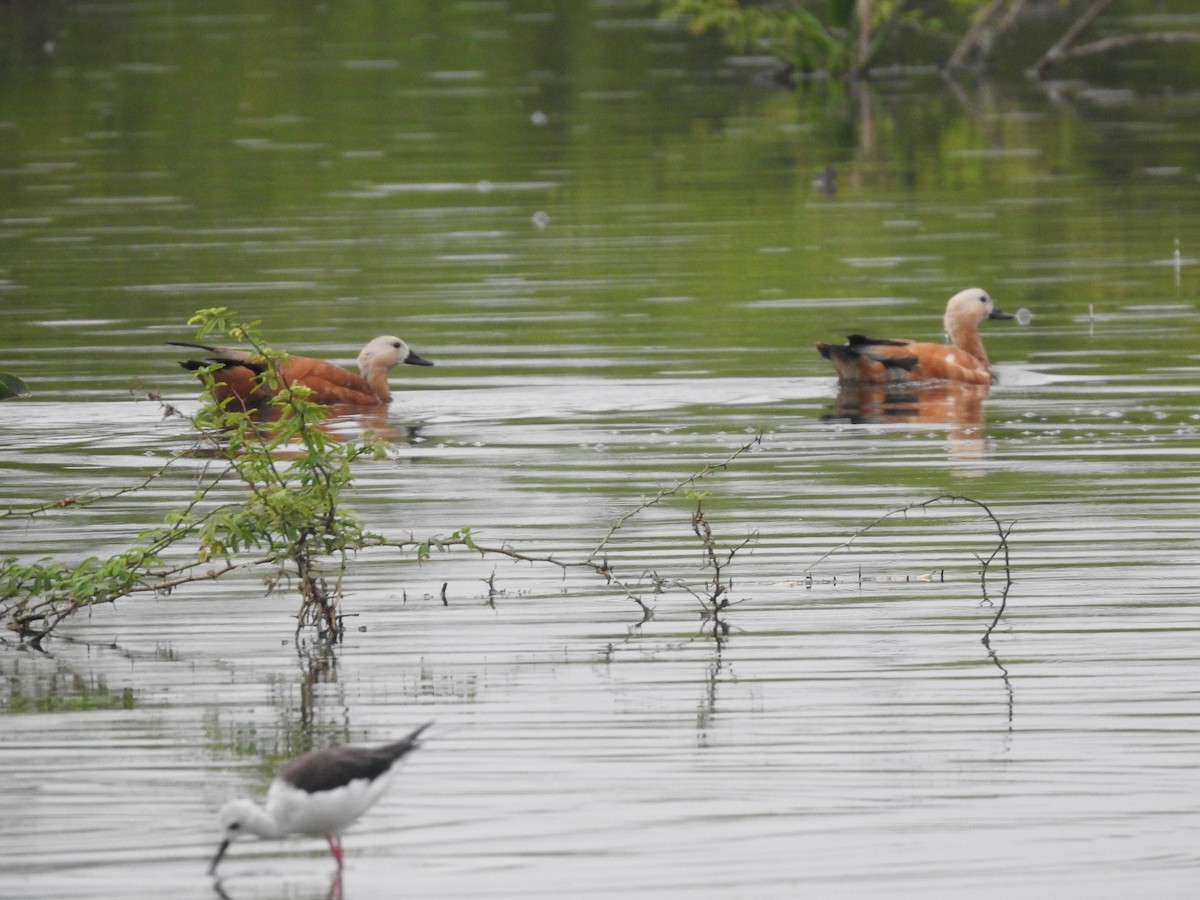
pixel 241 818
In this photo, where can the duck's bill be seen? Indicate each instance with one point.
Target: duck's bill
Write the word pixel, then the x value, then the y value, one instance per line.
pixel 212 869
pixel 998 313
pixel 413 360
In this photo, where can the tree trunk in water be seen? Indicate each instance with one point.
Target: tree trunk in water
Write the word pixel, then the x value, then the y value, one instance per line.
pixel 862 22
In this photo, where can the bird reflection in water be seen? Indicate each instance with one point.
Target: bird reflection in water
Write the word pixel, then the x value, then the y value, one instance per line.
pixel 347 424
pixel 953 405
pixel 342 424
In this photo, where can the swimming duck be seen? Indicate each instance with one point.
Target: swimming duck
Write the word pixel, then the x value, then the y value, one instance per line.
pixel 238 377
pixel 963 358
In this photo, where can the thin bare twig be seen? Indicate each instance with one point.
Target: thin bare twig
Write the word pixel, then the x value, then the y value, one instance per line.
pixel 1107 45
pixel 674 489
pixel 1001 549
pixel 904 510
pixel 1078 27
pixel 601 567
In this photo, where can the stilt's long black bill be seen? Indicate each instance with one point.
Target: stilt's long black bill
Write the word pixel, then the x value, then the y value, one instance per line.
pixel 212 869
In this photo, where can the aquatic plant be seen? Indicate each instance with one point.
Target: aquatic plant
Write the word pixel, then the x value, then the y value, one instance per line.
pixel 267 494
pixel 714 596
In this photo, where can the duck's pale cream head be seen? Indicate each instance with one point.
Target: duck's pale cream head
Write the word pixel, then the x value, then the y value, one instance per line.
pixel 964 312
pixel 386 352
pixel 969 308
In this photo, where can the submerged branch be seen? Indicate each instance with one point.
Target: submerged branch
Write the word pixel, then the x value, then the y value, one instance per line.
pixel 904 510
pixel 989 23
pixel 465 539
pixel 1107 45
pixel 1066 50
pixel 1078 27
pixel 1001 550
pixel 674 489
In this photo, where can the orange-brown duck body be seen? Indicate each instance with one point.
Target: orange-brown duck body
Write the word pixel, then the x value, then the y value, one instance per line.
pixel 239 376
pixel 962 359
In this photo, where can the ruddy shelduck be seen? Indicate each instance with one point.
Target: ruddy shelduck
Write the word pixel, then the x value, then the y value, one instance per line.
pixel 963 358
pixel 239 376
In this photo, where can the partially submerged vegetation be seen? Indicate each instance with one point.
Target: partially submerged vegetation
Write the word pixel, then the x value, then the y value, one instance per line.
pixel 286 515
pixel 266 492
pixel 855 37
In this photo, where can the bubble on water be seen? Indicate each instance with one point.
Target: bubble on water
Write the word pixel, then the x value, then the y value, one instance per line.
pixel 540 219
pixel 539 118
pixel 1024 316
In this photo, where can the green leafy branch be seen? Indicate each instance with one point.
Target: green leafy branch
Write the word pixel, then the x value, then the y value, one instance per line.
pixel 287 514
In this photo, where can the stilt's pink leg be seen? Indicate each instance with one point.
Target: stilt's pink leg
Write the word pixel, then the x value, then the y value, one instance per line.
pixel 335 847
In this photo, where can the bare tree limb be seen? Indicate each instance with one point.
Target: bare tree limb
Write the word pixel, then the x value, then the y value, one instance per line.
pixel 991 21
pixel 1081 25
pixel 1001 550
pixel 1107 45
pixel 1062 47
pixel 673 489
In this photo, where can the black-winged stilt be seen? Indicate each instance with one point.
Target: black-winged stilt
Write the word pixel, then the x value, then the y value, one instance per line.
pixel 319 794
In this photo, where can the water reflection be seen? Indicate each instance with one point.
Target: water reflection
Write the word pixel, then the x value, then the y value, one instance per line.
pixel 937 403
pixel 263 887
pixel 318 668
pixel 986 640
pixel 342 423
